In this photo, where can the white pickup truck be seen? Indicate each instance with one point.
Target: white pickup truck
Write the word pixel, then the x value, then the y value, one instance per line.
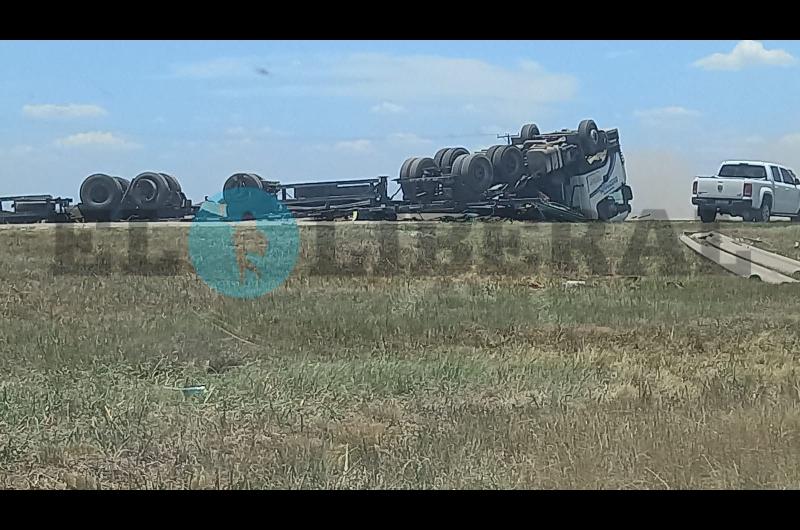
pixel 749 189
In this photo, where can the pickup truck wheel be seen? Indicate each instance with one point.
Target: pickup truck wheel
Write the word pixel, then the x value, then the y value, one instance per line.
pixel 764 212
pixel 708 216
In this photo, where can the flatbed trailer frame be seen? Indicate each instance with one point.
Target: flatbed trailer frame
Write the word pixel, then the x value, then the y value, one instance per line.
pixel 35 209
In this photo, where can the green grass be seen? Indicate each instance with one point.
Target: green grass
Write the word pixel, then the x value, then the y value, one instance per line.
pixel 455 372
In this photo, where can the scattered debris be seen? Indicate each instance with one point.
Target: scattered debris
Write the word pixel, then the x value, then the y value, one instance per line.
pixel 574 283
pixel 190 391
pixel 742 259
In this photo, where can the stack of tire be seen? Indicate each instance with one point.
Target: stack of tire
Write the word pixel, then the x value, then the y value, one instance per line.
pixel 155 191
pixel 472 174
pixel 508 163
pixel 103 193
pixel 246 196
pixel 148 191
pixel 414 168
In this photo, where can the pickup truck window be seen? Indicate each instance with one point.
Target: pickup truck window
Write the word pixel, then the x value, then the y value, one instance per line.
pixel 776 174
pixel 787 176
pixel 742 171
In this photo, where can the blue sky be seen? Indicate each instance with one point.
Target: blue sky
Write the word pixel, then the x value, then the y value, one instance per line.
pixel 201 110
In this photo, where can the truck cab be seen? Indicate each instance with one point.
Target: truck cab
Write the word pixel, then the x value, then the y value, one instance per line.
pixel 602 192
pixel 752 190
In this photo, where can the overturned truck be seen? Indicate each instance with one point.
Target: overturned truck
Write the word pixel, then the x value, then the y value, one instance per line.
pixel 570 174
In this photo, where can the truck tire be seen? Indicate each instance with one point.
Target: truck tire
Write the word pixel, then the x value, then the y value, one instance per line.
pixel 490 151
pixel 124 184
pixel 231 190
pixel 419 166
pixel 149 191
pixel 172 182
pixel 457 165
pixel 589 137
pixel 437 158
pixel 765 212
pixel 451 155
pixel 528 132
pixel 101 192
pixel 416 170
pixel 508 164
pixel 707 216
pixel 174 186
pixel 409 188
pixel 475 172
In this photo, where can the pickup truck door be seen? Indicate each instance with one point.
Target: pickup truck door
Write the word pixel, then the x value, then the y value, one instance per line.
pixel 780 192
pixel 792 192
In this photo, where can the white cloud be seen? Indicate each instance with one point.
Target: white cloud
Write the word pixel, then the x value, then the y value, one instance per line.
pixel 236 131
pixel 16 150
pixel 95 138
pixel 754 139
pixel 746 53
pixel 354 146
pixel 408 138
pixel 397 78
pixel 388 108
pixel 241 133
pixel 790 140
pixel 665 114
pixel 72 110
pixel 397 81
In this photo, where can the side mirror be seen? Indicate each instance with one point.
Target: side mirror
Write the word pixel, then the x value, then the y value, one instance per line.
pixel 796 181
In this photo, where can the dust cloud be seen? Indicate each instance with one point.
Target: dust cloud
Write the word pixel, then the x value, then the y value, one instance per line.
pixel 661 180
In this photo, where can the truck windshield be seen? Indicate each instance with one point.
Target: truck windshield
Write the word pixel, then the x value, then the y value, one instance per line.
pixel 748 171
